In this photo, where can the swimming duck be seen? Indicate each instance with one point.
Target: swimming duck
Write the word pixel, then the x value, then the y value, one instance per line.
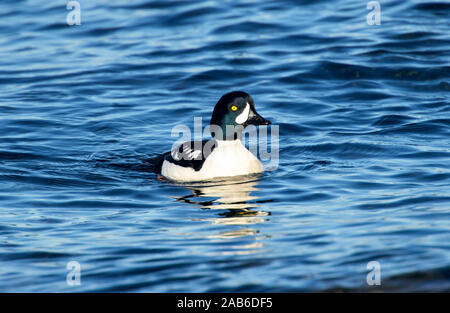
pixel 222 156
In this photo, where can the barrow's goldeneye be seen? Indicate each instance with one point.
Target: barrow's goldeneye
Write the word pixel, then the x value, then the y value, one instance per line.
pixel 222 156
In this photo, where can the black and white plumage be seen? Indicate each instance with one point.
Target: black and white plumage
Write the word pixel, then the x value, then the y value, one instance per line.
pixel 222 156
pixel 190 154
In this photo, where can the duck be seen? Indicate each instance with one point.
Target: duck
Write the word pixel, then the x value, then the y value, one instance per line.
pixel 222 156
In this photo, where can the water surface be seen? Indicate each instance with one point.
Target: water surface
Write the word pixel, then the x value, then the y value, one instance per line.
pixel 364 124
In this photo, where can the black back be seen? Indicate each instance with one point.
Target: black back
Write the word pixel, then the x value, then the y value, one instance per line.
pixel 188 154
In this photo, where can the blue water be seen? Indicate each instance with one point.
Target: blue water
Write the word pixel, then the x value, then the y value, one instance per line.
pixel 364 171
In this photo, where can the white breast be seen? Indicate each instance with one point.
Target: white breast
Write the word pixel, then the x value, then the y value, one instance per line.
pixel 229 158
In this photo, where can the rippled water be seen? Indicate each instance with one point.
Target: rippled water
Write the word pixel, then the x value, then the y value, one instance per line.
pixel 364 124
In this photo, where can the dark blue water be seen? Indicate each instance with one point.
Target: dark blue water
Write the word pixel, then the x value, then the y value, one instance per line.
pixel 364 142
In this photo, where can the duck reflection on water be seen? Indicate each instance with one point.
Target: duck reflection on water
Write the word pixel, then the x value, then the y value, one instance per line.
pixel 237 208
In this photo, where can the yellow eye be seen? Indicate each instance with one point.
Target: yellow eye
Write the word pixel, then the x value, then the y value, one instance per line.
pixel 234 108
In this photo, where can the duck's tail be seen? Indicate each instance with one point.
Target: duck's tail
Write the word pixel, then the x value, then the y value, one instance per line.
pixel 156 162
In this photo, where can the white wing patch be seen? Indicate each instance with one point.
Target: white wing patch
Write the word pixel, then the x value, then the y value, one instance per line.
pixel 193 154
pixel 187 153
pixel 241 118
pixel 176 155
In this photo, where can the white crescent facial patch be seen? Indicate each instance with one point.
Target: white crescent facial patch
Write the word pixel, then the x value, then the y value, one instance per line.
pixel 241 118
